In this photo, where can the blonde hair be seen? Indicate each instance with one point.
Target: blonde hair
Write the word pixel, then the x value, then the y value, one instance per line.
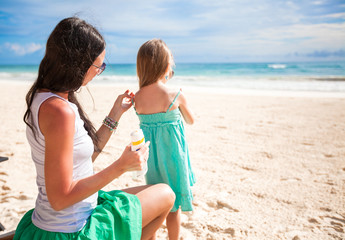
pixel 153 60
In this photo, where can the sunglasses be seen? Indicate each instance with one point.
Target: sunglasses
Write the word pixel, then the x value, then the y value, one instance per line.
pixel 101 68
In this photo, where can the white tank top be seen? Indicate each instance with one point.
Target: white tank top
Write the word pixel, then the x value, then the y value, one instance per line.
pixel 73 218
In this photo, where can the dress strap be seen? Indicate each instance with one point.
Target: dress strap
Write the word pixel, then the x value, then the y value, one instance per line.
pixel 172 103
pixel 132 100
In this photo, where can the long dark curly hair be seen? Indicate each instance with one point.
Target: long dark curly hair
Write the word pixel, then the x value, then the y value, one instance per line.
pixel 71 49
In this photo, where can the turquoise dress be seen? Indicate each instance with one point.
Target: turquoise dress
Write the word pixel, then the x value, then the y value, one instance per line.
pixel 169 157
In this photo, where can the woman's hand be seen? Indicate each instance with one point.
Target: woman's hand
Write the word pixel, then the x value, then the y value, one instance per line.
pixel 122 104
pixel 134 160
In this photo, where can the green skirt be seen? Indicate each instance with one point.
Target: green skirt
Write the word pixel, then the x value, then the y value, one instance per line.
pixel 117 216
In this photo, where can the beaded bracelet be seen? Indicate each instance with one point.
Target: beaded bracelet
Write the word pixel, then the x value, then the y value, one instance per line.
pixel 110 123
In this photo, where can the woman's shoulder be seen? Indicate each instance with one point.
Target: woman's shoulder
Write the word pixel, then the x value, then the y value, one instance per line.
pixel 55 114
pixel 56 108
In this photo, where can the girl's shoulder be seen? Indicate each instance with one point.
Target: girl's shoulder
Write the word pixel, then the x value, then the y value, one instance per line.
pixel 174 98
pixel 156 98
pixel 176 94
pixel 152 91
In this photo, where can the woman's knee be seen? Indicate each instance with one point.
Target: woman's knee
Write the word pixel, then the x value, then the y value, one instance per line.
pixel 167 193
pixel 156 200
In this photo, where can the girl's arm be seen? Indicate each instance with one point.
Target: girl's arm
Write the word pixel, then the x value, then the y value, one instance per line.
pixel 56 122
pixel 185 111
pixel 116 112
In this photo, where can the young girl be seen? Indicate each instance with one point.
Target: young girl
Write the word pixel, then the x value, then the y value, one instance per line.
pixel 159 110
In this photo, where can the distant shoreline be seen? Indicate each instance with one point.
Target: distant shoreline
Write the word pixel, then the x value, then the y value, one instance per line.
pixel 320 77
pixel 209 90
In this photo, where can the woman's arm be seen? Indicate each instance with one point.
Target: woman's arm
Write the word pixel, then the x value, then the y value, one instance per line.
pixel 185 111
pixel 121 105
pixel 56 121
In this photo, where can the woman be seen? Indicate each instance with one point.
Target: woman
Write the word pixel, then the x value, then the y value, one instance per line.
pixel 70 204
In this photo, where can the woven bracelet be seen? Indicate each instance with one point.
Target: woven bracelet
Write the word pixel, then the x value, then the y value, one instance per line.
pixel 110 123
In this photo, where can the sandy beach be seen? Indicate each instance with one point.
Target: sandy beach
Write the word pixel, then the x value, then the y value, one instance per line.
pixel 268 166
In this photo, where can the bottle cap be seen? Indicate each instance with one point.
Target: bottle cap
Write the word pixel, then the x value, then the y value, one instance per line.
pixel 137 137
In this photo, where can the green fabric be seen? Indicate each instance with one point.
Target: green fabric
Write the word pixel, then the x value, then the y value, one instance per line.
pixel 169 157
pixel 117 216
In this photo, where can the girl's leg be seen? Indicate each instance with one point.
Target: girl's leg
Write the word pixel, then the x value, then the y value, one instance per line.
pixel 173 224
pixel 156 202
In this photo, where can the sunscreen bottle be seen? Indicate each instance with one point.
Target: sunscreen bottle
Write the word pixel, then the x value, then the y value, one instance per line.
pixel 137 141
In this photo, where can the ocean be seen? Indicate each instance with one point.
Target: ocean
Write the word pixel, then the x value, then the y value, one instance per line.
pixel 306 76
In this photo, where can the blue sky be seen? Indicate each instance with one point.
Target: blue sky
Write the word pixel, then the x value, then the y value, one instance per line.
pixel 195 30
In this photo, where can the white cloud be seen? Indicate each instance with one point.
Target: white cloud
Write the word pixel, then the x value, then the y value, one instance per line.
pixel 274 42
pixel 22 50
pixel 336 15
pixel 318 2
pixel 308 37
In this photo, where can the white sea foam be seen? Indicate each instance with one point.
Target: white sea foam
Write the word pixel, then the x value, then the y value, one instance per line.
pixel 115 79
pixel 15 76
pixel 289 83
pixel 277 66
